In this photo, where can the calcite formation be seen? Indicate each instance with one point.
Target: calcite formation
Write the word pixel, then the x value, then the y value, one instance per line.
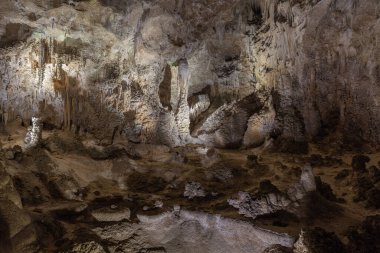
pixel 222 73
pixel 194 231
pixel 276 201
pixel 162 126
pixel 193 190
pixel 34 134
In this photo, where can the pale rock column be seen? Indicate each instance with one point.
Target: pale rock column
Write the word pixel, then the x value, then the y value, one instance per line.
pixel 308 179
pixel 183 114
pixel 34 134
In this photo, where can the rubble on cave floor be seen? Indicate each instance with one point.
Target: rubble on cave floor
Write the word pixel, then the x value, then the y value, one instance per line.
pixel 65 191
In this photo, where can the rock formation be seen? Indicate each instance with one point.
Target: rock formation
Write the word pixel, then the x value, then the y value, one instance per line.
pixel 275 200
pixel 318 240
pixel 34 134
pixel 189 126
pixel 223 73
pixel 201 233
pixel 17 233
pixel 194 189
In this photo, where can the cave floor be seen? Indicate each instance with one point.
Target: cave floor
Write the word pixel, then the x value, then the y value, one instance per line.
pixel 65 181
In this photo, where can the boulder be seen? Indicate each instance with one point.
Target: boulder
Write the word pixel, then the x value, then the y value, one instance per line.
pixel 365 237
pixel 317 240
pixel 272 200
pixel 86 247
pixel 111 214
pixel 193 190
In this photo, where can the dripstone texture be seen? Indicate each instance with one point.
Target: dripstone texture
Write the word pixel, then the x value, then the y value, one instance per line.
pixel 224 73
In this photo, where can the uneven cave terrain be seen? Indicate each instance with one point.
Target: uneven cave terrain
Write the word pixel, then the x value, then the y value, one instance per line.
pixel 218 126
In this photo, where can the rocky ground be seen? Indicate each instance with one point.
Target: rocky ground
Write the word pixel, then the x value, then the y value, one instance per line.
pixel 71 194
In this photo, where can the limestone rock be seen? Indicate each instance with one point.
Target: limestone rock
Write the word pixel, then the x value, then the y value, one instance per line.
pixel 9 154
pixel 364 237
pixel 117 233
pixel 317 240
pixel 67 187
pixel 86 247
pixel 235 74
pixel 17 232
pixel 158 204
pixel 365 182
pixel 34 134
pixel 251 207
pixel 220 173
pixel 183 231
pixel 193 190
pixel 307 179
pixel 273 200
pixel 14 153
pixel 7 189
pixel 15 33
pixel 111 215
pixel 68 209
pixel 260 126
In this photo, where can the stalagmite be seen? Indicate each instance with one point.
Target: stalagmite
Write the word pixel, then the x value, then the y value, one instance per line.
pixel 207 105
pixel 34 134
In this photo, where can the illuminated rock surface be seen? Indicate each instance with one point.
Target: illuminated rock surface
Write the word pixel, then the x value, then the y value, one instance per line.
pixel 114 113
pixel 225 73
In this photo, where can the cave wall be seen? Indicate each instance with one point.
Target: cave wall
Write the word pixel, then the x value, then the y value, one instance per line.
pixel 322 59
pixel 223 73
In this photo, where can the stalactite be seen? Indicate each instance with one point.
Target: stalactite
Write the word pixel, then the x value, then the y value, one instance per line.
pixel 266 7
pixel 41 70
